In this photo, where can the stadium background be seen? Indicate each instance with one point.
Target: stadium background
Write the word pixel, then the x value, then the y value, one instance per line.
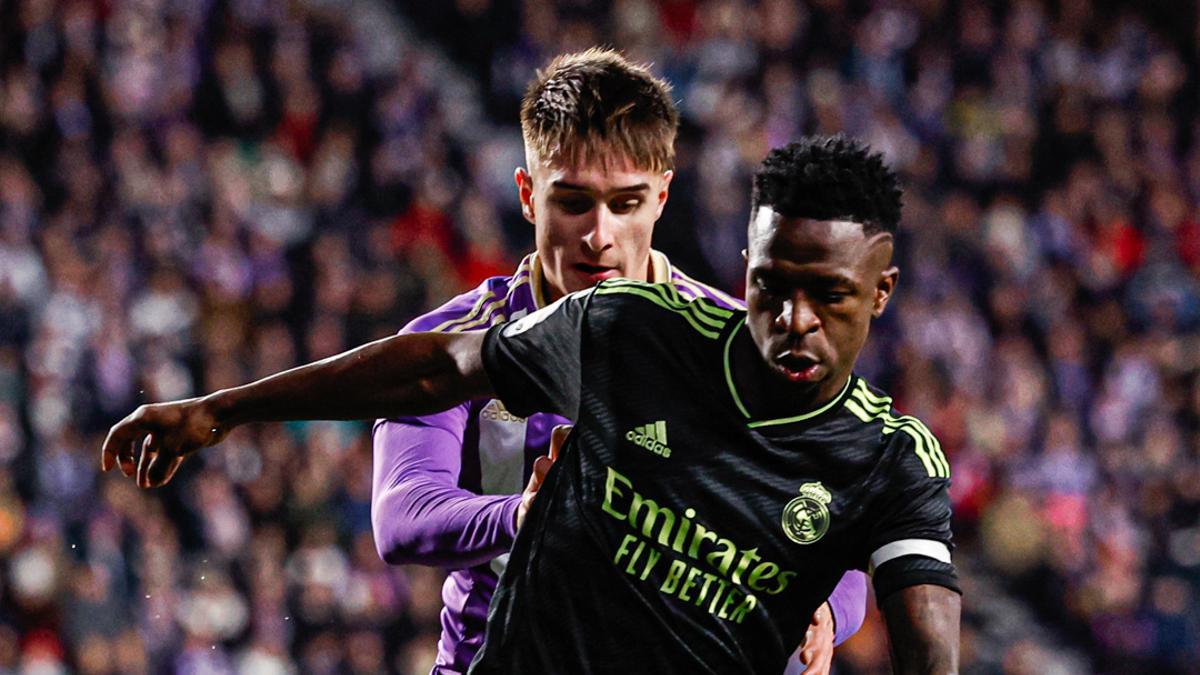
pixel 194 193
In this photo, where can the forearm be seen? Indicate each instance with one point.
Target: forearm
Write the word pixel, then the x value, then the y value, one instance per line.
pixel 423 523
pixel 923 628
pixel 410 374
pixel 848 603
pixel 419 514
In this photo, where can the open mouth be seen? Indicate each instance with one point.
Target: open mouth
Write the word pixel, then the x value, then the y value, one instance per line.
pixel 797 368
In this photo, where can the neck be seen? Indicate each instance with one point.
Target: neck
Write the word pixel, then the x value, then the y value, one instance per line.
pixel 549 292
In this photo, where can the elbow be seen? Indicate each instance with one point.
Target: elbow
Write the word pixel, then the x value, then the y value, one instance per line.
pixel 387 545
pixel 390 550
pixel 396 540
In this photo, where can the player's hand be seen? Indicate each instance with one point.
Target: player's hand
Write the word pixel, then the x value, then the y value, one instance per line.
pixel 541 465
pixel 817 652
pixel 155 439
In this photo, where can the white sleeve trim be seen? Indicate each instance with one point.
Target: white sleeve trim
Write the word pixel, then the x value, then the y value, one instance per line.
pixel 926 547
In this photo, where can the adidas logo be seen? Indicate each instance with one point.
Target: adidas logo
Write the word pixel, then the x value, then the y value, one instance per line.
pixel 496 412
pixel 652 437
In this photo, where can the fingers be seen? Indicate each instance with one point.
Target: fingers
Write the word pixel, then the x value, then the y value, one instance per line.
pixel 149 452
pixel 127 458
pixel 108 451
pixel 535 482
pixel 541 466
pixel 536 476
pixel 816 659
pixel 117 446
pixel 159 461
pixel 119 451
pixel 172 468
pixel 817 651
pixel 808 650
pixel 819 662
pixel 159 470
pixel 558 436
pixel 150 444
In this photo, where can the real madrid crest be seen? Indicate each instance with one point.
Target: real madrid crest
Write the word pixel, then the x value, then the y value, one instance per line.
pixel 806 518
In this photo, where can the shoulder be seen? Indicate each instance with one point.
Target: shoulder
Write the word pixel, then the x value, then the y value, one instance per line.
pixel 638 302
pixel 906 441
pixel 693 289
pixel 478 308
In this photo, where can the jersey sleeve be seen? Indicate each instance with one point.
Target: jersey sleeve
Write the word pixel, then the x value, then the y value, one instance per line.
pixel 534 363
pixel 848 602
pixel 910 542
pixel 419 512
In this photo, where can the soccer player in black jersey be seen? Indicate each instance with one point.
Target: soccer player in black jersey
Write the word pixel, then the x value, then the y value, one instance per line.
pixel 725 469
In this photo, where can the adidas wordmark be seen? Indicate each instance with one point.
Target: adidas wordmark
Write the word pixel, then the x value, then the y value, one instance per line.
pixel 652 437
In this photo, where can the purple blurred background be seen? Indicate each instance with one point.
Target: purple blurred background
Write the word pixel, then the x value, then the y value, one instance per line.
pixel 196 193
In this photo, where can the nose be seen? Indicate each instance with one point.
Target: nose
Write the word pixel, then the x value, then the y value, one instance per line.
pixel 600 236
pixel 797 316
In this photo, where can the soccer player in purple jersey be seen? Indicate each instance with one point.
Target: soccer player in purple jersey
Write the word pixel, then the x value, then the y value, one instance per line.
pixel 599 137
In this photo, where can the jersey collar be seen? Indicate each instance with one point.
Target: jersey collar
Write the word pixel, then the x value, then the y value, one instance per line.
pixel 833 403
pixel 660 272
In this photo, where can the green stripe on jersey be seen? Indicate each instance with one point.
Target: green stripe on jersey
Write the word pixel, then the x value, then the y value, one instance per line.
pixel 855 407
pixel 869 408
pixel 705 323
pixel 882 405
pixel 729 371
pixel 712 314
pixel 701 303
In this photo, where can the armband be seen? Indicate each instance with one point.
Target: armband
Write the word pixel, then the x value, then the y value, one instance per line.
pixel 911 562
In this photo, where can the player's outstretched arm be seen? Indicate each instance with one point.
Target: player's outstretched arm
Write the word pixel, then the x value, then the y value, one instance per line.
pixel 922 624
pixel 411 374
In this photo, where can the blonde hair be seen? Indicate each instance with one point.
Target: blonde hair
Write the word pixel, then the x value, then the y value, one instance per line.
pixel 597 106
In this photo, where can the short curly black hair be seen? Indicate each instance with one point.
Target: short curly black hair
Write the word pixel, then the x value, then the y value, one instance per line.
pixel 828 178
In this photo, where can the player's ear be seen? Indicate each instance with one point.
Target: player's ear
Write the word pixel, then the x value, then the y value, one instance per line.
pixel 524 183
pixel 745 255
pixel 663 192
pixel 884 288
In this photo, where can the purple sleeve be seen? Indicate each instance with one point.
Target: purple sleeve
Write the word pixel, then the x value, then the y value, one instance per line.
pixel 418 512
pixel 849 604
pixel 848 601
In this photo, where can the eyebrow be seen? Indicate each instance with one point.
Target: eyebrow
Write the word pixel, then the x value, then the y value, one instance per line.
pixel 822 278
pixel 564 185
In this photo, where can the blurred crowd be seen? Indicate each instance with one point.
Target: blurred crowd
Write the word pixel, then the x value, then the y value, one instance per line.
pixel 197 193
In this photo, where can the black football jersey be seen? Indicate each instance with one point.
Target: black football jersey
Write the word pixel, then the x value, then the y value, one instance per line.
pixel 676 533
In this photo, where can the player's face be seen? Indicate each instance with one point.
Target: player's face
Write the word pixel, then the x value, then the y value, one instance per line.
pixel 812 288
pixel 591 224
